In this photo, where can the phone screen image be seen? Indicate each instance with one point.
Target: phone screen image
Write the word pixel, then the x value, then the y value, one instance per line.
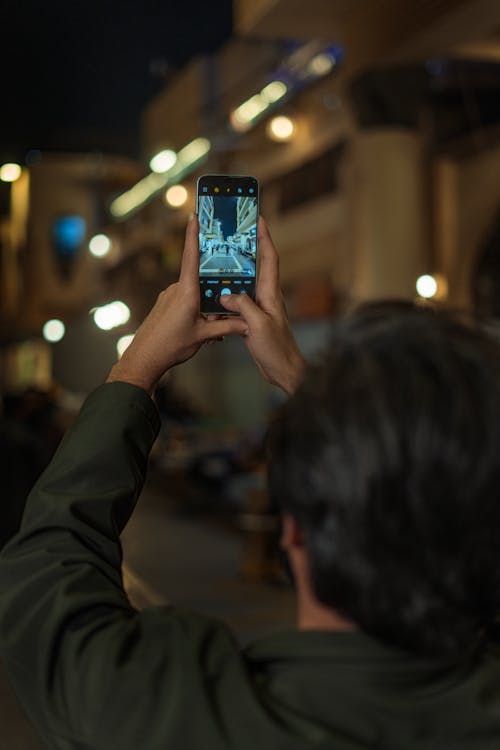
pixel 227 214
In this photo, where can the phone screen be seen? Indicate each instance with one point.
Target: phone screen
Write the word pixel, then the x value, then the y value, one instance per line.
pixel 228 211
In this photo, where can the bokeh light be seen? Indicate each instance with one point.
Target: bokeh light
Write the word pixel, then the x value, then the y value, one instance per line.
pixel 274 91
pixel 321 64
pixel 100 245
pixel 280 128
pixel 427 286
pixel 176 196
pixel 10 172
pixel 163 161
pixel 53 330
pixel 123 343
pixel 112 315
pixel 243 116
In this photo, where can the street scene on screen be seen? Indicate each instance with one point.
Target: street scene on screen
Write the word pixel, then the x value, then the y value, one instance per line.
pixel 228 235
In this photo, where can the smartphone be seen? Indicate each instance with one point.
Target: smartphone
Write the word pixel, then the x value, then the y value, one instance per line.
pixel 228 213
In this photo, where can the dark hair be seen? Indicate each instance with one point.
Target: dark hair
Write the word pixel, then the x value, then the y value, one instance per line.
pixel 388 456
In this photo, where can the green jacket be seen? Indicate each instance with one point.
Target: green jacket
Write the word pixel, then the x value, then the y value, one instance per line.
pixel 92 672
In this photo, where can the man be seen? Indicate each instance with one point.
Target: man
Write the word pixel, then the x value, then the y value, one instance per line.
pixel 386 463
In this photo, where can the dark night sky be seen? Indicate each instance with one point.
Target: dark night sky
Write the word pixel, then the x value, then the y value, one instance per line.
pixel 76 75
pixel 225 210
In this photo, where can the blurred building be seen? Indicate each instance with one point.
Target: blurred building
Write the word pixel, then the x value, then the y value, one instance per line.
pixel 53 209
pixel 246 215
pixel 394 119
pixel 373 127
pixel 378 161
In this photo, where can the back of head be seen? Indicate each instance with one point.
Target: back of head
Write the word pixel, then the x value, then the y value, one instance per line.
pixel 388 456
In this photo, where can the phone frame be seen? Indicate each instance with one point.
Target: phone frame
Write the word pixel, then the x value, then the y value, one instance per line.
pixel 220 185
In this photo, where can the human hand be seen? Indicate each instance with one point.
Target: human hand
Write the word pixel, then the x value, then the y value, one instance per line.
pixel 269 337
pixel 174 330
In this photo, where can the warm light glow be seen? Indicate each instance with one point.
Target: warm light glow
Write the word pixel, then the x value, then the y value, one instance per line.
pixel 163 161
pixel 138 194
pixel 244 115
pixel 10 172
pixel 100 245
pixel 427 286
pixel 176 196
pixel 112 315
pixel 53 330
pixel 280 128
pixel 188 157
pixel 123 343
pixel 193 151
pixel 274 91
pixel 321 64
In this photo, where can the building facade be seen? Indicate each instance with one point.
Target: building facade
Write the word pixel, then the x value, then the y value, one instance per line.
pixel 390 171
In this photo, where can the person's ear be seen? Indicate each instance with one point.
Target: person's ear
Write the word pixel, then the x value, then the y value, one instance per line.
pixel 291 533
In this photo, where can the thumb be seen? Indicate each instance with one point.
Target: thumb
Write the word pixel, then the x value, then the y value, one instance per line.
pixel 244 305
pixel 214 329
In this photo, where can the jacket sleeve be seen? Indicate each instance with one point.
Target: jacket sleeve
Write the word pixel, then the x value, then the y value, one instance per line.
pixel 91 672
pixel 65 620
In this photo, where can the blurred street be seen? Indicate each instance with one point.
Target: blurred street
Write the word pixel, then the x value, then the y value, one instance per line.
pixel 225 263
pixel 190 561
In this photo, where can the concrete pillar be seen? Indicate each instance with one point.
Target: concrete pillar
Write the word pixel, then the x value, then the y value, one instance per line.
pixel 390 214
pixel 12 243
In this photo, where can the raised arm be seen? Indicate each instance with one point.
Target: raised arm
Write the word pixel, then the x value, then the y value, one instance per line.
pixel 82 661
pixel 268 335
pixel 174 329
